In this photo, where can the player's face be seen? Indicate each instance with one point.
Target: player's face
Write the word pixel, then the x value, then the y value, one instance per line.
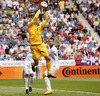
pixel 37 23
pixel 51 42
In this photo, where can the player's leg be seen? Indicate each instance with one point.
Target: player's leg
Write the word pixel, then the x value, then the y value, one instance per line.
pixel 31 82
pixel 48 84
pixel 26 78
pixel 35 63
pixel 35 56
pixel 31 78
pixel 54 69
pixel 44 53
pixel 26 83
pixel 48 64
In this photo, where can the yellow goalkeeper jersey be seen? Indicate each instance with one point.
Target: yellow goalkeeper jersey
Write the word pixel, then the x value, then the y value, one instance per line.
pixel 35 31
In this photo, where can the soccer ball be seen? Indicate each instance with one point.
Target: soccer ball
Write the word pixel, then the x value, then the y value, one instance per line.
pixel 44 4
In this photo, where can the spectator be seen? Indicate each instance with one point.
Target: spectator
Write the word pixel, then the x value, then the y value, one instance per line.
pixel 61 4
pixel 62 44
pixel 45 43
pixel 67 5
pixel 99 18
pixel 7 50
pixel 15 19
pixel 16 4
pixel 1 30
pixel 87 12
pixel 71 41
pixel 72 37
pixel 59 50
pixel 11 47
pixel 1 20
pixel 13 42
pixel 63 51
pixel 96 23
pixel 69 33
pixel 42 34
pixel 75 9
pixel 84 38
pixel 5 59
pixel 91 53
pixel 93 41
pixel 62 29
pixel 98 29
pixel 85 30
pixel 91 45
pixel 55 4
pixel 2 50
pixel 9 4
pixel 59 57
pixel 78 2
pixel 49 34
pixel 78 53
pixel 9 59
pixel 80 26
pixel 79 37
pixel 84 45
pixel 5 45
pixel 25 43
pixel 65 57
pixel 78 60
pixel 98 11
pixel 65 41
pixel 17 58
pixel 1 41
pixel 72 56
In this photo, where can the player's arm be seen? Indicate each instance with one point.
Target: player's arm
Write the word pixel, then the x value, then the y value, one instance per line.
pixel 19 53
pixel 44 23
pixel 35 18
pixel 54 53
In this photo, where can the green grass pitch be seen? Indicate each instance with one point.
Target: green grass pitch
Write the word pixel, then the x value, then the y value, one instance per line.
pixel 61 87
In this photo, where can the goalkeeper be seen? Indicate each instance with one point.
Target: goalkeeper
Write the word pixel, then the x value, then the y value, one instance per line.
pixel 37 48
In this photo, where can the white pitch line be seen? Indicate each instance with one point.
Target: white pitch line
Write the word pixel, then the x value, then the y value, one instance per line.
pixel 70 91
pixel 83 92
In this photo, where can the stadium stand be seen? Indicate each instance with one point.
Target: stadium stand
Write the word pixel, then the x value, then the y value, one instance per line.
pixel 91 11
pixel 72 39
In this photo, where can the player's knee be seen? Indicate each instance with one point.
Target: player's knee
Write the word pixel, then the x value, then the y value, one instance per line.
pixel 31 75
pixel 36 62
pixel 44 76
pixel 26 75
pixel 47 58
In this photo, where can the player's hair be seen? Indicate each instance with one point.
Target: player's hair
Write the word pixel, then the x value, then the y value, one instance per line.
pixel 52 38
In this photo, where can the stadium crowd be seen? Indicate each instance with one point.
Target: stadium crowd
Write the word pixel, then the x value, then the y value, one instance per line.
pixel 72 39
pixel 91 11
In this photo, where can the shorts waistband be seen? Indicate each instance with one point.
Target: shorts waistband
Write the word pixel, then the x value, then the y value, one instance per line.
pixel 34 45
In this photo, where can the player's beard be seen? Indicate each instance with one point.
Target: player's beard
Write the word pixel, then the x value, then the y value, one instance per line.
pixel 51 45
pixel 37 24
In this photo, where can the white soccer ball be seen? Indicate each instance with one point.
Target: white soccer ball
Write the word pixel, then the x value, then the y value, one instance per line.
pixel 44 4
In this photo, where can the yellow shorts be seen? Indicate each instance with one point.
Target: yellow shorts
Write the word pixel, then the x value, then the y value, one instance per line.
pixel 38 51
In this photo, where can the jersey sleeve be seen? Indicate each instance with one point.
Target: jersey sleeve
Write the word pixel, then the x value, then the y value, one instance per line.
pixel 35 18
pixel 54 50
pixel 44 23
pixel 26 49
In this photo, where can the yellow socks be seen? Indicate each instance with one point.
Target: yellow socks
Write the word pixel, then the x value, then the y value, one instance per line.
pixel 33 64
pixel 48 64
